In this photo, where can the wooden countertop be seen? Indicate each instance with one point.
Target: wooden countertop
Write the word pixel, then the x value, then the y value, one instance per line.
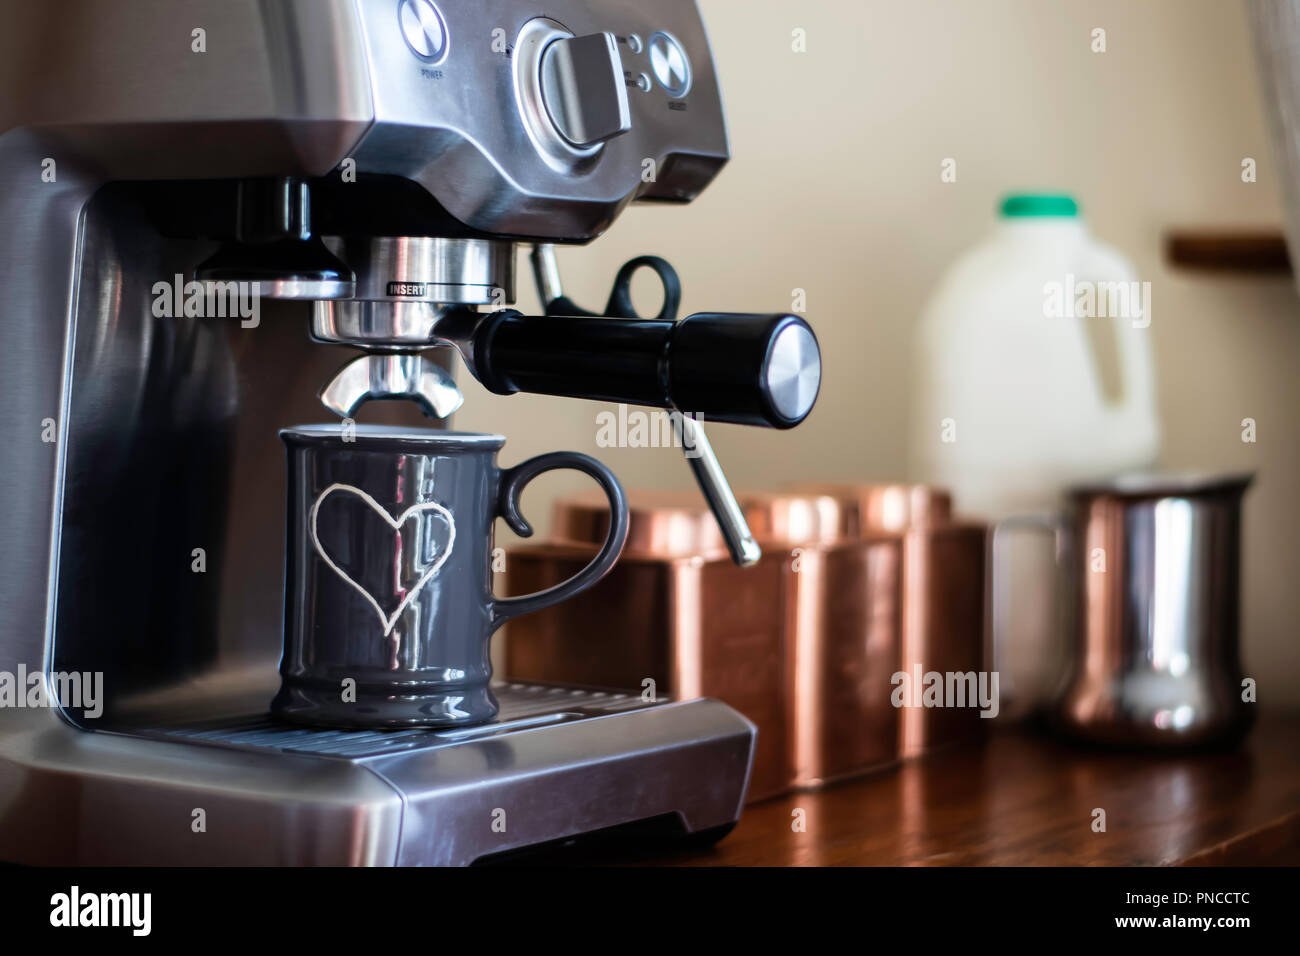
pixel 1024 799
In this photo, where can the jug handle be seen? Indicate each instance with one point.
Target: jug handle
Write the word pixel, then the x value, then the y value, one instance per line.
pixel 1132 344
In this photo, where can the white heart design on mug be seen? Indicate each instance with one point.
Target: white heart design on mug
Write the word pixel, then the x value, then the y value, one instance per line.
pixel 388 623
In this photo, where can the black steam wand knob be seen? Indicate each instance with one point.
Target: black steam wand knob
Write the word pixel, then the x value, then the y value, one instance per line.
pixel 743 369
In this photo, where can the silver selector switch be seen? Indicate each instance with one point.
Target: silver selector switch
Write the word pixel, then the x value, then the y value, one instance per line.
pixel 584 90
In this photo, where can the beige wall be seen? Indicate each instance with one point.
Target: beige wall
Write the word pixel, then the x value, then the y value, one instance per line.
pixel 834 188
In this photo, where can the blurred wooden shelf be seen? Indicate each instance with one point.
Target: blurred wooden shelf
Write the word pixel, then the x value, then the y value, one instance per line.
pixel 1245 251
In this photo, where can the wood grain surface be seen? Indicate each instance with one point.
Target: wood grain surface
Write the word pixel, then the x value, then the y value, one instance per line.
pixel 1024 799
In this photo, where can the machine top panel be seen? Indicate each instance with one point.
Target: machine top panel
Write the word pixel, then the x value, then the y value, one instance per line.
pixel 542 122
pixel 521 121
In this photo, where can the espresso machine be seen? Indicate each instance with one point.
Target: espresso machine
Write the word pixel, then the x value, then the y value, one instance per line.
pixel 220 216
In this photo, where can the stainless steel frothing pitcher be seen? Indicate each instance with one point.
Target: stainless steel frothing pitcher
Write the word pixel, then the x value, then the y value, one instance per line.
pixel 1147 598
pixel 1156 563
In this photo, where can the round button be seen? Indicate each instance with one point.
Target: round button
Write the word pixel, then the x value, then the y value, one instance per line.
pixel 634 44
pixel 794 371
pixel 424 29
pixel 669 63
pixel 643 82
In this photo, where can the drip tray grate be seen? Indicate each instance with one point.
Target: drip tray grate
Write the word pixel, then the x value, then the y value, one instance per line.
pixel 523 707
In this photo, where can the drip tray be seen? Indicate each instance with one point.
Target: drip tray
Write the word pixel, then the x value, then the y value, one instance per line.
pixel 559 763
pixel 523 707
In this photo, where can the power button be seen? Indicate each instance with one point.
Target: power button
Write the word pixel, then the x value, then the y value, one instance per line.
pixel 671 67
pixel 424 29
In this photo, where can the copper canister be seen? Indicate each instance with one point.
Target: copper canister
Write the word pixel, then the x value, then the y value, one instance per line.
pixel 943 596
pixel 845 632
pixel 674 617
pixel 804 644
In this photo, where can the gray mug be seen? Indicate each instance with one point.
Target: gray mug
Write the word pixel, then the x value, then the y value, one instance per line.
pixel 389 606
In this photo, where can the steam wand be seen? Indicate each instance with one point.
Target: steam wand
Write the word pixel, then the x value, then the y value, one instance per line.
pixel 699 453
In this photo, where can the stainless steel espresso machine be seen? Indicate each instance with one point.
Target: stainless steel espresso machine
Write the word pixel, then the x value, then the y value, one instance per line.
pixel 220 215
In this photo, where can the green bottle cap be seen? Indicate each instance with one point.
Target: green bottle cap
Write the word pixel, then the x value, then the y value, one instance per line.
pixel 1039 204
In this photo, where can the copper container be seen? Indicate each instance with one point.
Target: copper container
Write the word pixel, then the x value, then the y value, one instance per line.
pixel 674 617
pixel 804 644
pixel 844 632
pixel 943 595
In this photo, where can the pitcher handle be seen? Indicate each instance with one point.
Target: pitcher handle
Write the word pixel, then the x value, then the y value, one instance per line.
pixel 1043 523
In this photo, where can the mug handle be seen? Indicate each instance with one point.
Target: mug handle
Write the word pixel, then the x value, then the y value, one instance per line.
pixel 512 485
